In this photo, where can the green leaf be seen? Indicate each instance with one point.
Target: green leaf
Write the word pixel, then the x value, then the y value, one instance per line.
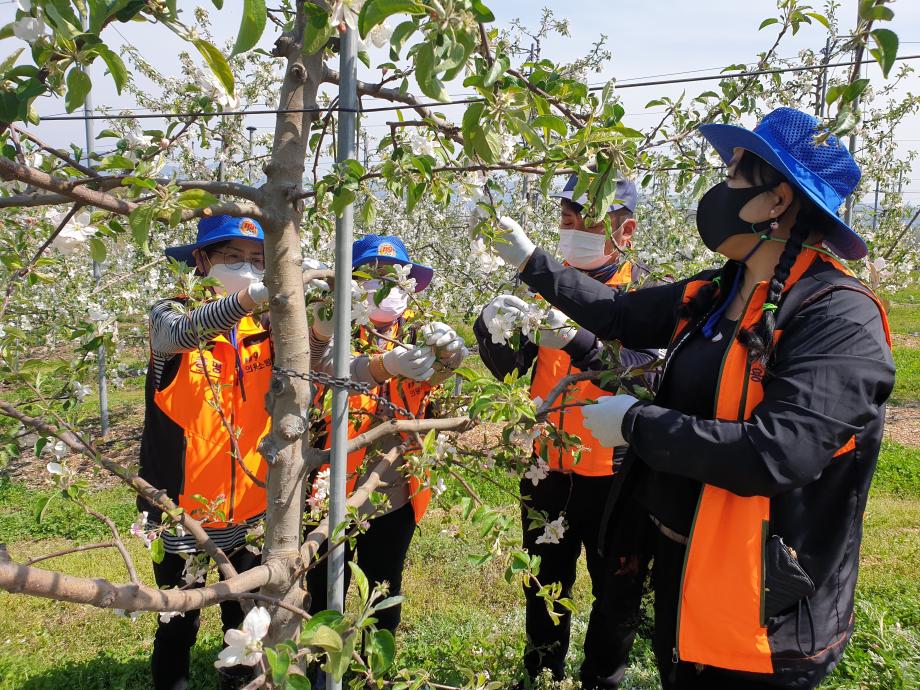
pixel 364 586
pixel 197 198
pixel 78 86
pixel 219 4
pixel 481 12
pixel 768 22
pixel 116 162
pixel 218 64
pixel 877 13
pixel 499 66
pixel 400 35
pixel 328 617
pixel 251 26
pixel 279 661
pixel 140 221
pixel 551 122
pixel 375 12
pixel 821 19
pixel 327 638
pixel 834 92
pixel 317 30
pixel 297 683
pixel 97 249
pixel 41 504
pixel 116 67
pixel 887 52
pixel 157 550
pixel 10 60
pixel 381 651
pixel 854 90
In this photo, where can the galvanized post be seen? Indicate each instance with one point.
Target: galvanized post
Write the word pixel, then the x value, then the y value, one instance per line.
pixel 341 354
pixel 101 382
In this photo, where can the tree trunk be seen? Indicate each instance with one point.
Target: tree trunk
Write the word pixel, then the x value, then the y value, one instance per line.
pixel 287 445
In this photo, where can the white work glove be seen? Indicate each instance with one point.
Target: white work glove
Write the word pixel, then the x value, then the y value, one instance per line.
pixel 311 264
pixel 416 363
pixel 504 304
pixel 556 334
pixel 516 247
pixel 449 347
pixel 605 419
pixel 258 293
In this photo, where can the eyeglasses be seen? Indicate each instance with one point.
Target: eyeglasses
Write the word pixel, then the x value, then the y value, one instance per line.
pixel 234 260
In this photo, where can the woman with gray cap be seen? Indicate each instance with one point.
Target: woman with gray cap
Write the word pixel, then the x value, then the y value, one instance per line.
pixel 754 461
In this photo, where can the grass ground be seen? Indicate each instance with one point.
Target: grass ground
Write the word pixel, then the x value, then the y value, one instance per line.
pixel 457 616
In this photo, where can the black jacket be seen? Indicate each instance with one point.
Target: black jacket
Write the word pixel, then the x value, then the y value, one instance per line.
pixel 827 381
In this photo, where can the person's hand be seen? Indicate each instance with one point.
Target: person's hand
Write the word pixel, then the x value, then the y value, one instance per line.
pixel 555 334
pixel 416 363
pixel 605 419
pixel 514 246
pixel 311 264
pixel 504 304
pixel 450 348
pixel 254 296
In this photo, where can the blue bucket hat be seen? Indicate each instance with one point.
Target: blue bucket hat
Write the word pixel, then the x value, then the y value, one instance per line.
pixel 213 229
pixel 626 194
pixel 825 173
pixel 388 249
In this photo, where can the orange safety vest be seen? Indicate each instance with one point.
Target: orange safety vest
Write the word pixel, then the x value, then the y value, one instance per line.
pixel 552 365
pixel 405 393
pixel 720 619
pixel 207 467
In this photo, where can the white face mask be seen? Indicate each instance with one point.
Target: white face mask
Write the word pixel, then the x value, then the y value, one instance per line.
pixel 235 280
pixel 390 308
pixel 583 249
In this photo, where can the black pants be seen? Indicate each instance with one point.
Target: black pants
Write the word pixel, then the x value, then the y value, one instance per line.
pixel 615 612
pixel 381 555
pixel 174 640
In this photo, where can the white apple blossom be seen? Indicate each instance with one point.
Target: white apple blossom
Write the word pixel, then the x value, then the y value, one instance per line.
pixel 346 12
pixel 439 487
pixel 210 86
pixel 139 529
pixel 403 281
pixel 532 319
pixel 244 646
pixel 421 145
pixel 380 35
pixel 29 29
pixel 195 569
pixel 133 615
pixel 55 468
pixel 24 5
pixel 167 616
pixel 483 258
pixel 137 139
pixel 71 239
pixel 526 437
pixel 97 313
pixel 537 472
pixel 501 327
pixel 553 531
pixel 60 449
pixel 360 309
pixel 80 390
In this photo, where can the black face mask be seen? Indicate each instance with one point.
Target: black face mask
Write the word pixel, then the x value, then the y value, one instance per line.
pixel 717 213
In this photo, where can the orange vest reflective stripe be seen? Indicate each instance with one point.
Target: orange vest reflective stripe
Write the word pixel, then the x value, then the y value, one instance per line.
pixel 720 616
pixel 209 469
pixel 552 365
pixel 411 395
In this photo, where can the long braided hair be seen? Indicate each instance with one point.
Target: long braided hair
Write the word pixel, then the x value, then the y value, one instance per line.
pixel 759 338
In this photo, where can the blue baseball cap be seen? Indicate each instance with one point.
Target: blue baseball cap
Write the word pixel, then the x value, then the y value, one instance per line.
pixel 388 249
pixel 825 173
pixel 213 229
pixel 626 194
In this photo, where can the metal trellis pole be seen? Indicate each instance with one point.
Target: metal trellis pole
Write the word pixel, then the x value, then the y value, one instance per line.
pixel 341 354
pixel 101 381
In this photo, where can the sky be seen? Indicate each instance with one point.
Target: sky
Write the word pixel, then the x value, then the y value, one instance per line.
pixel 658 39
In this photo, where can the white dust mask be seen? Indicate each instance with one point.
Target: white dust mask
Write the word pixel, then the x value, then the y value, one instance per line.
pixel 390 308
pixel 583 249
pixel 234 280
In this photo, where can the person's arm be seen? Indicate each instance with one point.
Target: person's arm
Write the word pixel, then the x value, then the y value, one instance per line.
pixel 172 331
pixel 641 319
pixel 321 361
pixel 832 374
pixel 500 358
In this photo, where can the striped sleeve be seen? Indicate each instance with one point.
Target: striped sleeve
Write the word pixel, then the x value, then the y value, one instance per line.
pixel 172 332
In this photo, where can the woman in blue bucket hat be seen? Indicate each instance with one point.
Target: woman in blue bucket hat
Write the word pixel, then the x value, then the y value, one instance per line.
pixel 405 375
pixel 186 450
pixel 752 465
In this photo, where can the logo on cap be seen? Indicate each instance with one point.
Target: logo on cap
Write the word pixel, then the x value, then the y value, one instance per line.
pixel 386 249
pixel 247 227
